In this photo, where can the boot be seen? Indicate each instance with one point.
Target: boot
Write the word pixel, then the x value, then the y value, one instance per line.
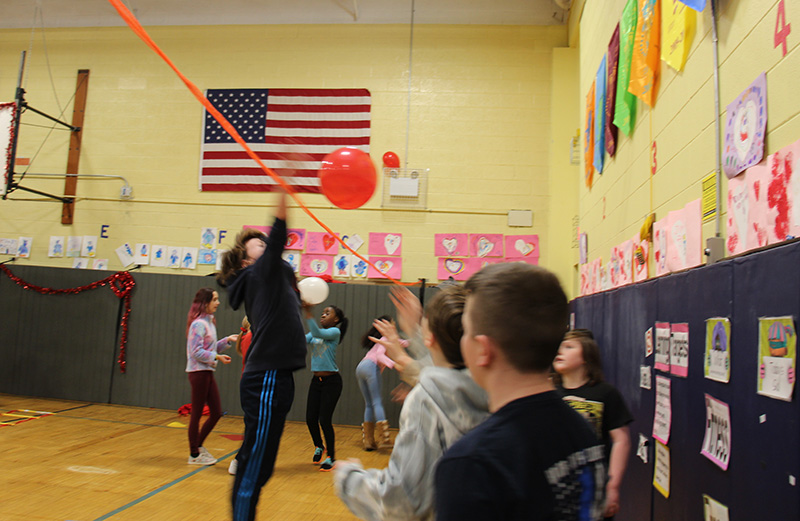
pixel 382 435
pixel 368 436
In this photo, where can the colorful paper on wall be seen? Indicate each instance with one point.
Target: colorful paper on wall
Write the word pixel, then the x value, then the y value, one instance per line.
pixel 89 246
pixel 777 353
pixel 677 243
pixel 387 267
pixel 661 473
pixel 158 256
pixel 189 258
pixel 641 251
pixel 125 255
pixel 679 350
pixel 486 245
pixel 747 210
pixel 80 263
pixel 358 268
pixel 74 245
pixel 745 126
pixel 660 247
pixel 625 252
pixel 783 194
pixel 625 109
pixel 316 265
pixel 341 265
pixel 208 238
pixel 677 29
pixel 56 247
pixel 452 267
pixel 646 56
pixel 662 419
pixel 522 246
pixel 717 358
pixel 586 279
pixel 717 438
pixel 205 256
pixel 385 244
pixel 451 244
pixel 663 335
pixel 697 5
pixel 295 239
pixel 99 264
pixel 321 243
pixel 141 254
pixel 612 67
pixel 714 510
pixel 173 256
pixel 600 117
pixel 588 139
pixel 693 214
pixel 293 259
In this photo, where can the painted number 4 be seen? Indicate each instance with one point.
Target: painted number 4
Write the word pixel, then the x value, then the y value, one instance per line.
pixel 782 29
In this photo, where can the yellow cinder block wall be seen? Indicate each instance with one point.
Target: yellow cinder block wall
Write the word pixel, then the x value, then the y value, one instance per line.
pixel 682 121
pixel 480 119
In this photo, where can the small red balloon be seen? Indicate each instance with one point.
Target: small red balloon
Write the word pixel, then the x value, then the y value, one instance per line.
pixel 348 178
pixel 390 160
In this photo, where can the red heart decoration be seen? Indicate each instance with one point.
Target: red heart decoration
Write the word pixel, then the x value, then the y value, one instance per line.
pixel 327 241
pixel 291 239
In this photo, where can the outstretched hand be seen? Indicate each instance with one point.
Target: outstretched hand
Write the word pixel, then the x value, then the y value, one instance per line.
pixel 409 309
pixel 390 339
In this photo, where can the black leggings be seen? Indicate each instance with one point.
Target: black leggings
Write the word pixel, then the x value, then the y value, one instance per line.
pixel 323 395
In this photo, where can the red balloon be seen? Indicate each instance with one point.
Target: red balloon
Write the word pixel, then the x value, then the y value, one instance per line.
pixel 390 160
pixel 348 177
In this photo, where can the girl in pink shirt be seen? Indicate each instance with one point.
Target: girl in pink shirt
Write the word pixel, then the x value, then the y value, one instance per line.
pixel 368 373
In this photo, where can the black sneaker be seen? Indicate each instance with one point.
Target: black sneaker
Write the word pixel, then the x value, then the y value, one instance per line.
pixel 326 465
pixel 317 455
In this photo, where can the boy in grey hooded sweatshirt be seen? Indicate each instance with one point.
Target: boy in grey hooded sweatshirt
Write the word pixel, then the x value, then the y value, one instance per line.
pixel 440 409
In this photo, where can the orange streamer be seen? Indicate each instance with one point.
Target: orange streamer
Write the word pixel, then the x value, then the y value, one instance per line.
pixel 137 28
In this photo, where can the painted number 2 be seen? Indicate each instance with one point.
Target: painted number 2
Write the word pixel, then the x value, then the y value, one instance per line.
pixel 782 29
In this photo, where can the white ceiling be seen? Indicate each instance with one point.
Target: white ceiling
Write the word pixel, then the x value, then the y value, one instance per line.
pixel 100 13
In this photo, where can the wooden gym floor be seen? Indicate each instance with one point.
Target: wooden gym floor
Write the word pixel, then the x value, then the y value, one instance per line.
pixel 92 462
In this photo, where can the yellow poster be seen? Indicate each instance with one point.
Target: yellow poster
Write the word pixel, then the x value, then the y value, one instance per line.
pixel 677 31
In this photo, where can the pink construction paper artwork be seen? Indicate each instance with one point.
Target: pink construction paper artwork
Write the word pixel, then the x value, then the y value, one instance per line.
pixel 640 258
pixel 595 284
pixel 385 244
pixel 660 247
pixel 451 245
pixel 677 242
pixel 263 229
pixel 521 246
pixel 486 245
pixel 295 239
pixel 586 278
pixel 387 266
pixel 475 265
pixel 625 262
pixel 614 267
pixel 783 194
pixel 315 265
pixel 452 267
pixel 748 210
pixel 321 243
pixel 693 213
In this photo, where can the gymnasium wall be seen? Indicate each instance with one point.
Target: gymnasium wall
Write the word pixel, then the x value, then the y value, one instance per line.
pixel 480 119
pixel 682 122
pixel 66 346
pixel 760 482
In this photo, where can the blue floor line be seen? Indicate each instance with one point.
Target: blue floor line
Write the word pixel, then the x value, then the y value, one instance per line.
pixel 160 489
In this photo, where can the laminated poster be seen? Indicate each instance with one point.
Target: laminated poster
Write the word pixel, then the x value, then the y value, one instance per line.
pixel 717 439
pixel 385 244
pixel 662 420
pixel 777 344
pixel 714 510
pixel 662 469
pixel 717 358
pixel 679 350
pixel 451 245
pixel 663 336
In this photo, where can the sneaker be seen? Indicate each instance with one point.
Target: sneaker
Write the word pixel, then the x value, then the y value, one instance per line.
pixel 233 466
pixel 317 455
pixel 202 459
pixel 203 450
pixel 326 465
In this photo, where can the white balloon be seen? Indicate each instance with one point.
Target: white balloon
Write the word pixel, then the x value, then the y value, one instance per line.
pixel 313 290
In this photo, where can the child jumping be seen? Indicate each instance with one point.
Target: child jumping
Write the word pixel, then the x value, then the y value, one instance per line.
pixel 326 384
pixel 442 407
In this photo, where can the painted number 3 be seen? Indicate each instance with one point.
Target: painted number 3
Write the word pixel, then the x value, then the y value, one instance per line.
pixel 782 29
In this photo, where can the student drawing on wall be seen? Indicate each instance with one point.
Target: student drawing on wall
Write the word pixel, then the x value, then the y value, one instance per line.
pixel 89 248
pixel 173 258
pixel 360 268
pixel 128 249
pixel 23 248
pixel 208 238
pixel 58 248
pixel 341 265
pixel 144 250
pixel 159 253
pixel 187 260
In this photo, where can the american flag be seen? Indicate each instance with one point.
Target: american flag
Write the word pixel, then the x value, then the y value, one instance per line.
pixel 291 131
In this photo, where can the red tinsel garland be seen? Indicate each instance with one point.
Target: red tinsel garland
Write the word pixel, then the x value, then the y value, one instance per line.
pixel 7 152
pixel 121 283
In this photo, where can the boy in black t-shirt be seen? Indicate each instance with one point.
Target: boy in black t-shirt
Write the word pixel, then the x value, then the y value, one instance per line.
pixel 534 458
